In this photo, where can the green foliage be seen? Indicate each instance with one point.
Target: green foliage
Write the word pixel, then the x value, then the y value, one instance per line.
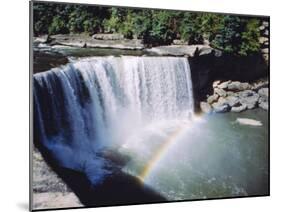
pixel 238 35
pixel 232 34
pixel 57 26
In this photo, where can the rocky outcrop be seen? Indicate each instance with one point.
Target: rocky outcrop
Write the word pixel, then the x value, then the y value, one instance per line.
pixel 236 96
pixel 97 41
pixel 49 190
pixel 183 50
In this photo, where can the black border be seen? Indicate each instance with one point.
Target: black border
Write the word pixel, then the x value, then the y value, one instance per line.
pixel 31 106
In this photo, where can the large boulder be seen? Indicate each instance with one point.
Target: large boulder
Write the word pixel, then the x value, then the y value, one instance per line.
pixel 205 107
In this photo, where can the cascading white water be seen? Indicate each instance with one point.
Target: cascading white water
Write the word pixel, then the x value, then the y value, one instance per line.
pixel 97 101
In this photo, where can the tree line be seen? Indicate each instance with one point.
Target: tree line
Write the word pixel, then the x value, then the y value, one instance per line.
pixel 232 34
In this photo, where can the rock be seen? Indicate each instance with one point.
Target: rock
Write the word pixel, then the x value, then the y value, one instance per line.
pixel 261 28
pixel 249 98
pixel 263 100
pixel 238 86
pixel 262 40
pixel 264 105
pixel 232 100
pixel 181 50
pixel 216 83
pixel 231 93
pixel 179 42
pixel 42 39
pixel 239 108
pixel 246 121
pixel 205 107
pixel 224 84
pixel 220 107
pixel 266 32
pixel 114 36
pixel 265 51
pixel 265 23
pixel 220 92
pixel 213 98
pixel 263 92
pixel 246 93
pixel 222 100
pixel 260 84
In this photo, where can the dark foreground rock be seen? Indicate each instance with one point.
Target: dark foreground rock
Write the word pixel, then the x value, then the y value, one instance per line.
pixel 49 190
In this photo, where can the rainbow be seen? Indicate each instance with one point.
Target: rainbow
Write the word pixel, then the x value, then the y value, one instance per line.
pixel 159 154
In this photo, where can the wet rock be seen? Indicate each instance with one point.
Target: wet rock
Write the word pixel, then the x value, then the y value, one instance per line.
pixel 220 107
pixel 205 107
pixel 239 108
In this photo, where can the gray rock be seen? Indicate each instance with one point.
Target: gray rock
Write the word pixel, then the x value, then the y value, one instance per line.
pixel 239 108
pixel 263 92
pixel 264 105
pixel 265 51
pixel 246 93
pixel 180 50
pixel 220 108
pixel 220 92
pixel 238 86
pixel 265 23
pixel 261 28
pixel 179 42
pixel 213 98
pixel 205 107
pixel 249 98
pixel 232 100
pixel 224 84
pixel 114 36
pixel 231 93
pixel 266 32
pixel 42 39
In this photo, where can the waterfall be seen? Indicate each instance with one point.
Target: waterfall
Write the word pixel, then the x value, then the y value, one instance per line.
pixel 93 102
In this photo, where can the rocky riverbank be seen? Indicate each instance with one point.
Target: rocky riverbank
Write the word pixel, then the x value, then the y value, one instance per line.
pixel 116 41
pixel 49 190
pixel 236 96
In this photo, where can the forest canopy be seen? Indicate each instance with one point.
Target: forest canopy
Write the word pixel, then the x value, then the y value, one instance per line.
pixel 232 34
